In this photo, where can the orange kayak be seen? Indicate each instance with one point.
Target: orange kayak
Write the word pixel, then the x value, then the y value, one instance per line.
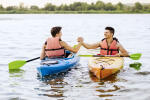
pixel 103 67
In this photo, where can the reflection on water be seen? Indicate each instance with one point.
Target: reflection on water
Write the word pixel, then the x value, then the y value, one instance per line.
pixel 115 88
pixel 111 79
pixel 102 88
pixel 143 73
pixel 56 84
pixel 16 72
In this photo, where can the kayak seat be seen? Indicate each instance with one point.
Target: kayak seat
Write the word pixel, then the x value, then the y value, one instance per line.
pixel 49 62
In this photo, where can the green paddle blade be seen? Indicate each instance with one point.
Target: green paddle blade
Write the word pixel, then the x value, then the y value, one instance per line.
pixel 136 56
pixel 16 64
pixel 86 55
pixel 74 46
pixel 136 65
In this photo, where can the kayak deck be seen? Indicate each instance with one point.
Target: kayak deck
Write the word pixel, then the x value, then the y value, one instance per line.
pixel 62 64
pixel 103 67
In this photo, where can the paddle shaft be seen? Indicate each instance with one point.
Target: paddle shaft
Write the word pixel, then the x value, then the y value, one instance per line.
pixel 81 55
pixel 135 56
pixel 100 56
pixel 108 56
pixel 33 59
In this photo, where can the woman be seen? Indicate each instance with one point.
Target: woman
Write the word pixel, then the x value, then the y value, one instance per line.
pixel 55 47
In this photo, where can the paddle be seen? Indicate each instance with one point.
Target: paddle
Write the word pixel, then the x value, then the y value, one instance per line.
pixel 19 63
pixel 135 56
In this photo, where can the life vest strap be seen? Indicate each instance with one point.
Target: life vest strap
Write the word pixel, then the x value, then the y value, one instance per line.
pixel 113 39
pixel 62 56
pixel 54 49
pixel 110 49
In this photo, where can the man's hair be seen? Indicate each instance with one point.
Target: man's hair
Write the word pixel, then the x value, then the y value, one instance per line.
pixel 55 30
pixel 111 29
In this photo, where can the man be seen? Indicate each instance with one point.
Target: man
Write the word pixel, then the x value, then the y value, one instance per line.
pixel 55 47
pixel 108 46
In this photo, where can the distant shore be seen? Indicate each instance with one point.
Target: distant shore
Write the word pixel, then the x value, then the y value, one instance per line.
pixel 71 12
pixel 79 8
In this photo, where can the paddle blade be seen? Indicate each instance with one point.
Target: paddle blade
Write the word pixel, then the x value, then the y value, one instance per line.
pixel 86 55
pixel 136 56
pixel 16 64
pixel 74 46
pixel 136 65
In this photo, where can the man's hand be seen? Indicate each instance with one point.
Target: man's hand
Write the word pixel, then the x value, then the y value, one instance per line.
pixel 117 55
pixel 80 39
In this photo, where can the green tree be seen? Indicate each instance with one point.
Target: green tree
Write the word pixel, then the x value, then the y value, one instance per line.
pixel 77 6
pixel 1 7
pixel 138 6
pixel 34 7
pixel 100 5
pixel 58 7
pixel 71 7
pixel 64 8
pixel 119 6
pixel 109 7
pixel 91 7
pixel 9 8
pixel 146 7
pixel 49 7
pixel 85 6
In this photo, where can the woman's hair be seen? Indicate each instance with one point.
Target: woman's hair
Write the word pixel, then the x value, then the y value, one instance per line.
pixel 55 30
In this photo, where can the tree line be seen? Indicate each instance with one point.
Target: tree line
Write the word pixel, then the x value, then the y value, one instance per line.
pixel 82 7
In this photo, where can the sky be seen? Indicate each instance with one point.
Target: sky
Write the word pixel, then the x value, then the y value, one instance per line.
pixel 41 3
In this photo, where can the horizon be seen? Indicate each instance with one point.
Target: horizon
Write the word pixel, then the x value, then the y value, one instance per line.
pixel 41 3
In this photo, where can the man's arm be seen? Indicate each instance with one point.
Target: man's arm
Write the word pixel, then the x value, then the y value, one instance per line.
pixel 91 46
pixel 88 46
pixel 42 56
pixel 123 52
pixel 66 46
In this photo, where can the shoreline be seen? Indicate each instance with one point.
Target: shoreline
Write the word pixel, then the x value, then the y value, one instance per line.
pixel 71 12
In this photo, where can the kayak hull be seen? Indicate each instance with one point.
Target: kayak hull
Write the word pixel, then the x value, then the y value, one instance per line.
pixel 62 65
pixel 103 67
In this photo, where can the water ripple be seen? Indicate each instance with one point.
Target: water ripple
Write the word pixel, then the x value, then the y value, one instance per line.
pixel 143 73
pixel 22 36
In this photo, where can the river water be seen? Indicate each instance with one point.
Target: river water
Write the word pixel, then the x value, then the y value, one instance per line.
pixel 21 38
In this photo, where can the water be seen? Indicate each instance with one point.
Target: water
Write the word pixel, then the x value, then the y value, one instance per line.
pixel 21 38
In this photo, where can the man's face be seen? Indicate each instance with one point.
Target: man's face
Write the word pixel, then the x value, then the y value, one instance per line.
pixel 60 33
pixel 108 34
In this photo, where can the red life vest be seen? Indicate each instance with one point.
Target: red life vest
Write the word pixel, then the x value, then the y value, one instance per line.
pixel 109 50
pixel 53 47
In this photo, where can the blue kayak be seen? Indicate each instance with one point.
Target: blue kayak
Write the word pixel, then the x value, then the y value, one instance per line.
pixel 56 65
